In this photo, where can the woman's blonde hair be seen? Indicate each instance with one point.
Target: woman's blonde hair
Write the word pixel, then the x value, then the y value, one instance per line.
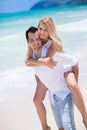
pixel 52 32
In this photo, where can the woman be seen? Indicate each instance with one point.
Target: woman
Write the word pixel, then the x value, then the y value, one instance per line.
pixel 45 26
pixel 47 31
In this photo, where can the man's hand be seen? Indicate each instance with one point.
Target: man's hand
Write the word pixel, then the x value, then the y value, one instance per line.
pixel 48 62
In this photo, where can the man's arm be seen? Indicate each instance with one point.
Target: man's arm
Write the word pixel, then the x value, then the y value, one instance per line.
pixel 41 62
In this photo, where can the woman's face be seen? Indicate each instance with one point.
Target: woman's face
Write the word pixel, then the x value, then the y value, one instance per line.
pixel 43 31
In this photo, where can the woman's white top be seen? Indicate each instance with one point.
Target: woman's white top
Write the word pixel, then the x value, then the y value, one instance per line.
pixel 54 78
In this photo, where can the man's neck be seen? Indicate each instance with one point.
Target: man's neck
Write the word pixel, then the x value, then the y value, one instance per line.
pixel 37 52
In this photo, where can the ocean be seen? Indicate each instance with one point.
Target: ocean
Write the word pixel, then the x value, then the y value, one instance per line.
pixel 17 79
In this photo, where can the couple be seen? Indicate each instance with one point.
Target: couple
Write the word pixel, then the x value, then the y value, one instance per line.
pixel 56 72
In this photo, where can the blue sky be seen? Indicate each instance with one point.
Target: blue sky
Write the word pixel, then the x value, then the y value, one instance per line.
pixel 7 6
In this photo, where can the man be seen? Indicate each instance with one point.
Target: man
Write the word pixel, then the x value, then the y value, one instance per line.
pixel 38 52
pixel 35 43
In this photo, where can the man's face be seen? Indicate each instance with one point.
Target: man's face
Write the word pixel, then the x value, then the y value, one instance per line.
pixel 34 40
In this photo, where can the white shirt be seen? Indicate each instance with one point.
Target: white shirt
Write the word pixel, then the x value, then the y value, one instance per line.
pixel 54 78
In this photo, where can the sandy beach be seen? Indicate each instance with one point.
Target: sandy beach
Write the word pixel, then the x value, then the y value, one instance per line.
pixel 19 113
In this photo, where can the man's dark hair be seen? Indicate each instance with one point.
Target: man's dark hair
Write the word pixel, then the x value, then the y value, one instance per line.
pixel 30 30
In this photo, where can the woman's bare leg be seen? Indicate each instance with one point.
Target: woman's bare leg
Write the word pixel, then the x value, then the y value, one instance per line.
pixel 38 101
pixel 77 95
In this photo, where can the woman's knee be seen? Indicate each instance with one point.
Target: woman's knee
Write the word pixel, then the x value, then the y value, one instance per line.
pixel 73 86
pixel 70 79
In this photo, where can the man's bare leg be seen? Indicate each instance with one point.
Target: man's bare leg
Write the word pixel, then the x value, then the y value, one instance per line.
pixel 77 95
pixel 38 101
